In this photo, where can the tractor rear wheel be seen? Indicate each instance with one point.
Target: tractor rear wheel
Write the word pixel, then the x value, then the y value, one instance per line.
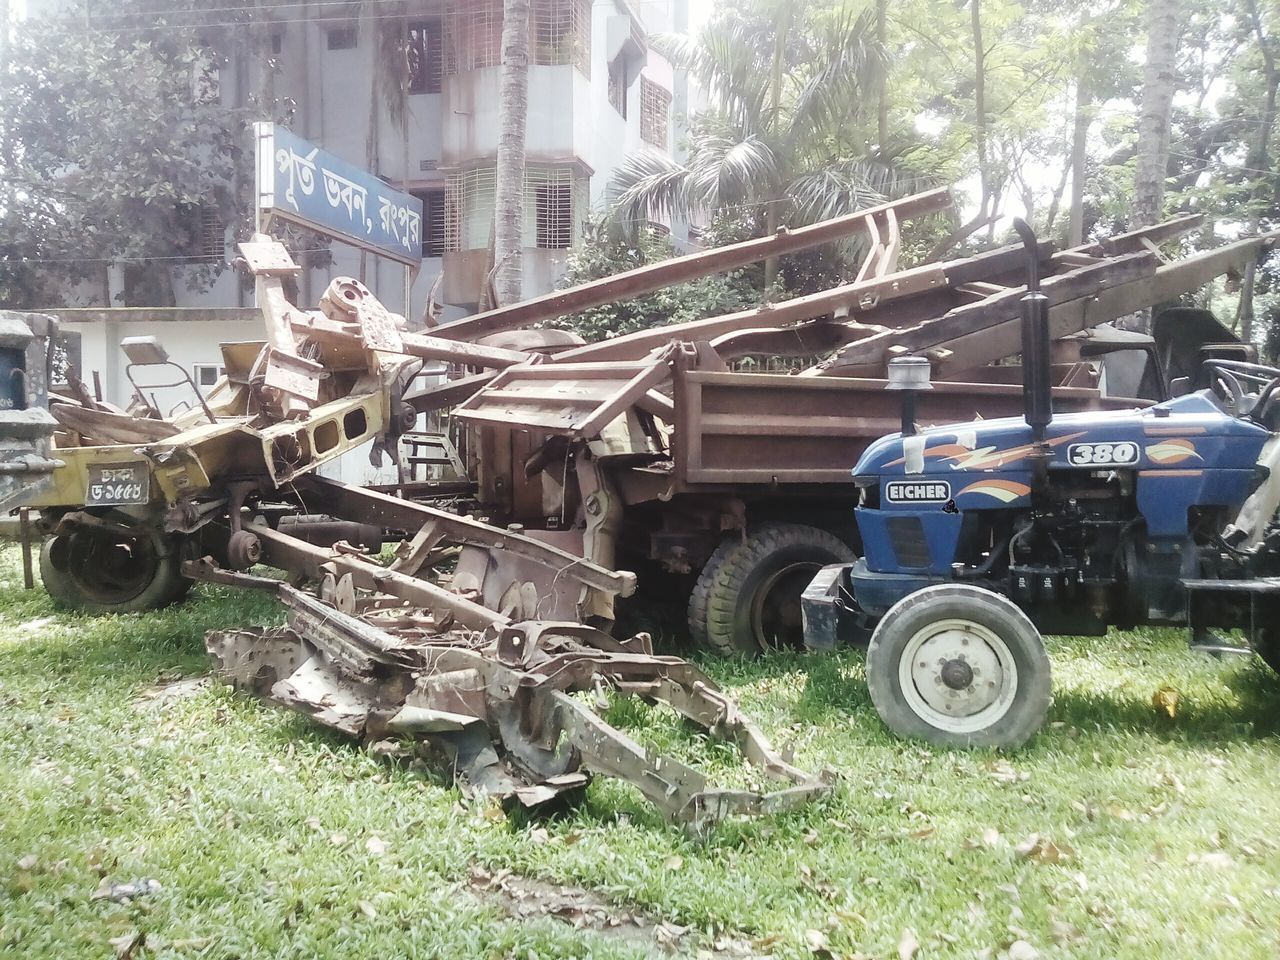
pixel 747 599
pixel 959 666
pixel 98 572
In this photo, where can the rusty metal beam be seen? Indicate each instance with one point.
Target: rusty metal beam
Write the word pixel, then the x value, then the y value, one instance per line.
pixel 976 318
pixel 865 299
pixel 317 327
pixel 368 506
pixel 635 283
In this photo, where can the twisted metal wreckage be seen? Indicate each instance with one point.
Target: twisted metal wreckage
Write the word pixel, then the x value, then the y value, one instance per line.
pixel 633 443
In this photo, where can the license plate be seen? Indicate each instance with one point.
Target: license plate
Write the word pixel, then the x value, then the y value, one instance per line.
pixel 118 485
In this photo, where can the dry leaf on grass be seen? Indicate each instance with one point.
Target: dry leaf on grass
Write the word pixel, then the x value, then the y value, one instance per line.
pixel 908 945
pixel 376 846
pixel 673 862
pixel 1021 950
pixel 127 944
pixel 368 909
pixel 1043 850
pixel 817 942
pixel 1165 700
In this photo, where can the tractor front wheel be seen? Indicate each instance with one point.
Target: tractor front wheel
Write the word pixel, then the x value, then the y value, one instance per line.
pixel 959 666
pixel 98 572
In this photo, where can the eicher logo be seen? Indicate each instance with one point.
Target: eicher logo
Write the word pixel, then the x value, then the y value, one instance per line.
pixel 917 491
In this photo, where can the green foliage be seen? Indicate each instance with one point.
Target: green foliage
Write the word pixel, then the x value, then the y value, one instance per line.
pixel 788 132
pixel 606 250
pixel 111 140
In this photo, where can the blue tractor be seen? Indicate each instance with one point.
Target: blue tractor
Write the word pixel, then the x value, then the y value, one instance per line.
pixel 980 537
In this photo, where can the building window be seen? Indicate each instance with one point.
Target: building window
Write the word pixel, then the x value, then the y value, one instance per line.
pixel 655 110
pixel 426 56
pixel 549 203
pixel 434 237
pixel 555 200
pixel 473 35
pixel 342 38
pixel 204 234
pixel 618 84
pixel 469 206
pixel 559 34
pixel 277 43
pixel 207 374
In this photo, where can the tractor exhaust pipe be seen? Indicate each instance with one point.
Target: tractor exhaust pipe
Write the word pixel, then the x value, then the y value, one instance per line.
pixel 1037 389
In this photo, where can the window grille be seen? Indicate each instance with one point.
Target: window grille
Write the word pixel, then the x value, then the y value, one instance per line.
pixel 341 38
pixel 213 236
pixel 425 49
pixel 555 200
pixel 549 207
pixel 655 108
pixel 473 35
pixel 434 218
pixel 469 206
pixel 559 34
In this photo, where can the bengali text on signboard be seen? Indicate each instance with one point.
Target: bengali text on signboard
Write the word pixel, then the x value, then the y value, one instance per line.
pixel 300 182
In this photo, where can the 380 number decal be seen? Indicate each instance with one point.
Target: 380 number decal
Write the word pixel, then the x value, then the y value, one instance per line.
pixel 1119 454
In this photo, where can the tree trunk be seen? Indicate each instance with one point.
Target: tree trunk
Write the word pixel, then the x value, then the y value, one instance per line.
pixel 1259 160
pixel 513 108
pixel 1079 149
pixel 1158 84
pixel 985 208
pixel 882 107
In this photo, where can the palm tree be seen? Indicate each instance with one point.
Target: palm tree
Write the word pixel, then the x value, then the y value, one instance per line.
pixel 513 108
pixel 793 130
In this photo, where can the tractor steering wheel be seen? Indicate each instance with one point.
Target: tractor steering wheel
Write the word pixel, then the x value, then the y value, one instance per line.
pixel 1246 386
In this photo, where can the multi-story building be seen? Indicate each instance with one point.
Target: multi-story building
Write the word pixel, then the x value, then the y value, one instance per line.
pixel 597 92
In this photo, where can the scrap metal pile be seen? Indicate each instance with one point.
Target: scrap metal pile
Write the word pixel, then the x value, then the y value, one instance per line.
pixel 488 641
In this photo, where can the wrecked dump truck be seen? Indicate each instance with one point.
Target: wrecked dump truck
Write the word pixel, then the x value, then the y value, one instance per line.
pixel 732 488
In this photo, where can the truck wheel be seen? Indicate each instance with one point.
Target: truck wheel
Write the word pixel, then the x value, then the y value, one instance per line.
pixel 100 573
pixel 1267 646
pixel 747 599
pixel 959 666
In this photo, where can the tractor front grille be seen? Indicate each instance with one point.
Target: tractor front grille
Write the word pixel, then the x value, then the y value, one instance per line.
pixel 909 546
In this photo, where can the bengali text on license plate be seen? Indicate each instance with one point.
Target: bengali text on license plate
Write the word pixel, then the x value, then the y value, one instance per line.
pixel 118 484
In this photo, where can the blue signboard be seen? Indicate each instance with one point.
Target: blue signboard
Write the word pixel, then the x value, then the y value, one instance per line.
pixel 300 182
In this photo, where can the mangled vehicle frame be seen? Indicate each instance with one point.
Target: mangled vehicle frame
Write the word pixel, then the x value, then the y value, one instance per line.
pixel 486 636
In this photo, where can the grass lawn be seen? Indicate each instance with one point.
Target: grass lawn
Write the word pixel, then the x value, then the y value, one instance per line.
pixel 270 837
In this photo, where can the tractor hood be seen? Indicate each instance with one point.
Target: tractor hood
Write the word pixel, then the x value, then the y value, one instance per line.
pixel 1189 432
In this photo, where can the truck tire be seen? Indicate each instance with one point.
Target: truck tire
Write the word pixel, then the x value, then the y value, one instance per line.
pixel 97 573
pixel 959 666
pixel 747 599
pixel 1267 647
